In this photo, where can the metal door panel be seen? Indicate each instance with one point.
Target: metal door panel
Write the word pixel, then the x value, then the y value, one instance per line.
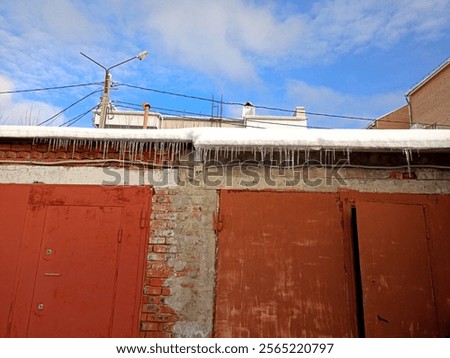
pixel 76 273
pixel 81 263
pixel 395 267
pixel 280 270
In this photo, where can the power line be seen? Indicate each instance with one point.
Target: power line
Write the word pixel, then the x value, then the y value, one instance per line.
pixel 208 117
pixel 51 88
pixel 75 119
pixel 52 118
pixel 278 109
pixel 345 117
pixel 211 100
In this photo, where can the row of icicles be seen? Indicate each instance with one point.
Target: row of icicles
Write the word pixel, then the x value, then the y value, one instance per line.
pixel 172 152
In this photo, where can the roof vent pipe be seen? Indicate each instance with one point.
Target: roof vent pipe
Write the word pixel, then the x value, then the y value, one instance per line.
pixel 146 107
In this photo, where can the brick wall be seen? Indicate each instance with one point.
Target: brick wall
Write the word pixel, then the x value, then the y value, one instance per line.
pixel 44 152
pixel 398 119
pixel 430 104
pixel 179 279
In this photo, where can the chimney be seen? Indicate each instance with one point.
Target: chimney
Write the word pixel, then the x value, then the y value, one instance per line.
pixel 300 113
pixel 248 110
pixel 146 112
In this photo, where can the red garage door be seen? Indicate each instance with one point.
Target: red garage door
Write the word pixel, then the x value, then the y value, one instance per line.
pixel 294 264
pixel 404 250
pixel 281 266
pixel 76 263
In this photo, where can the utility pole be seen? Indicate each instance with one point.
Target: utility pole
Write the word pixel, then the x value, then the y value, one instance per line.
pixel 105 98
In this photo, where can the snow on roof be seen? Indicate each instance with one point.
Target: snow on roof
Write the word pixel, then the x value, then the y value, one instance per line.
pixel 210 138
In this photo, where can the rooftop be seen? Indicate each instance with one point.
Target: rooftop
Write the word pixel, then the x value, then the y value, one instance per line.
pixel 251 138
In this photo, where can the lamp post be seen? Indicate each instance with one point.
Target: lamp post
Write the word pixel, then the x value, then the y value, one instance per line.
pixel 105 98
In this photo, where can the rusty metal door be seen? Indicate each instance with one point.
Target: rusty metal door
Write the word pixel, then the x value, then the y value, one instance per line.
pixel 81 263
pixel 396 274
pixel 281 266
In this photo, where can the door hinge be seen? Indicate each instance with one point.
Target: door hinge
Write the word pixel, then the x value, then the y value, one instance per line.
pixel 119 235
pixel 217 222
pixel 144 220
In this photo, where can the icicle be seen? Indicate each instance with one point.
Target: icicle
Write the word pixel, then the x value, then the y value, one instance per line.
pixel 348 155
pixel 155 150
pixel 216 155
pixel 172 157
pixel 408 153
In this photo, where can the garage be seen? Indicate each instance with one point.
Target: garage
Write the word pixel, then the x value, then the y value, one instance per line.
pixel 349 264
pixel 74 260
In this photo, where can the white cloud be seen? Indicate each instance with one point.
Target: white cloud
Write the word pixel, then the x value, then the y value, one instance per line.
pixel 328 101
pixel 17 112
pixel 347 26
pixel 222 38
pixel 236 38
pixel 203 43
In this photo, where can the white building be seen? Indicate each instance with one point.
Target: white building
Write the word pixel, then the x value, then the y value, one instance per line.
pixel 155 120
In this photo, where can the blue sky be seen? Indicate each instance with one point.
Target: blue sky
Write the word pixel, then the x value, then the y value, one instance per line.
pixel 337 57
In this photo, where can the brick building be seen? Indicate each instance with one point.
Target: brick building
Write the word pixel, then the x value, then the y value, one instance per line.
pixel 428 104
pixel 224 232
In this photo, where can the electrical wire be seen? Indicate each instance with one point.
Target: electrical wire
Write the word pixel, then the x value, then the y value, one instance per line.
pixel 345 117
pixel 239 103
pixel 211 100
pixel 75 119
pixel 51 88
pixel 52 118
pixel 206 117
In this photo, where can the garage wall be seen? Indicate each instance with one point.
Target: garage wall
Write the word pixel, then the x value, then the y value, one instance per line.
pixel 178 292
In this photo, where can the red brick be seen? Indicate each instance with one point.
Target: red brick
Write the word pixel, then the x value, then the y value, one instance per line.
pixel 24 155
pixel 164 207
pixel 36 155
pixel 5 146
pixel 151 309
pixel 158 273
pixel 11 155
pixel 153 256
pixel 164 233
pixel 20 147
pixel 156 300
pixel 157 240
pixel 165 248
pixel 150 326
pixel 154 291
pixel 48 155
pixel 166 309
pixel 165 327
pixel 165 291
pixel 42 148
pixel 160 318
pixel 61 155
pixel 157 282
pixel 158 266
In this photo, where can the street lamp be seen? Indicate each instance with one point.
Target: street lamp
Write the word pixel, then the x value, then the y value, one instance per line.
pixel 105 98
